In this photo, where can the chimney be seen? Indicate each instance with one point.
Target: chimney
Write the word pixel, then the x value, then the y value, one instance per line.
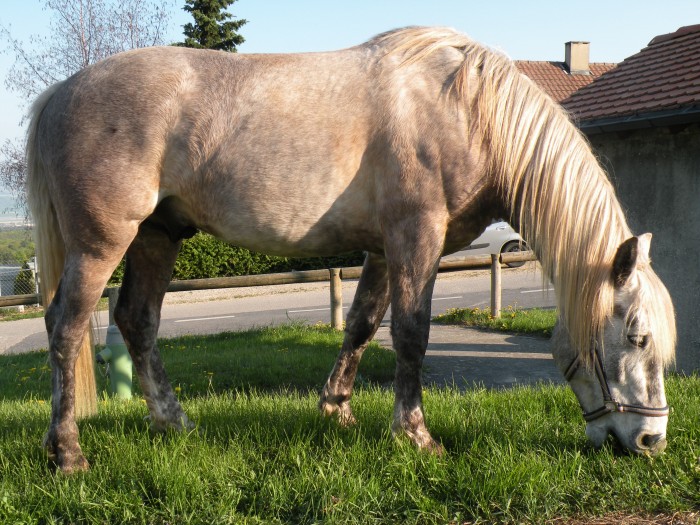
pixel 576 58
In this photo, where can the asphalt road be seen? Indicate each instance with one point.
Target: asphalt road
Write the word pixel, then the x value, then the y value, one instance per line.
pixel 236 309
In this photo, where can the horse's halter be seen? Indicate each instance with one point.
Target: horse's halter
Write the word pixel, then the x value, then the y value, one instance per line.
pixel 610 405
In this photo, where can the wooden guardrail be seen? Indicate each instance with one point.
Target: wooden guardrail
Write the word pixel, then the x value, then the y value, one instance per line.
pixel 334 275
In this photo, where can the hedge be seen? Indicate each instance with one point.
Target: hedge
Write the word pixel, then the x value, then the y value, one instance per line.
pixel 204 256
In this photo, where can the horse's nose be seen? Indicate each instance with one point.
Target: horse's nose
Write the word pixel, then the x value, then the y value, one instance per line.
pixel 654 443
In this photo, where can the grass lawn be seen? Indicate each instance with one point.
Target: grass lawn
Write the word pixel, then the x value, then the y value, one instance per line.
pixel 537 321
pixel 262 453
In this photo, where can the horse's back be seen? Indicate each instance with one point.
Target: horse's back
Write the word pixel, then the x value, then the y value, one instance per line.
pixel 284 154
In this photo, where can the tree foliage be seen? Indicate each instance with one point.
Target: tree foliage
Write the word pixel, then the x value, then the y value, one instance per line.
pixel 213 27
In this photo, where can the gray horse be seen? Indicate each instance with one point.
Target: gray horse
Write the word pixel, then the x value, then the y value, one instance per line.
pixel 405 147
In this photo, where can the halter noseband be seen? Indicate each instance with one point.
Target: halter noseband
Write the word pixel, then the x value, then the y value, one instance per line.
pixel 609 403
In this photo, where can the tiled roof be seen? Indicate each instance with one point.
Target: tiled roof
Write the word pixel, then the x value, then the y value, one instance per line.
pixel 554 78
pixel 662 79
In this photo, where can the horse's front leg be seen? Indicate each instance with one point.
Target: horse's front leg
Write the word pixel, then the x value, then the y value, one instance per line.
pixel 413 263
pixel 368 308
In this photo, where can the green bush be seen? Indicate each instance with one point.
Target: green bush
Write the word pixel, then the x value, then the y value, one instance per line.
pixel 24 282
pixel 203 256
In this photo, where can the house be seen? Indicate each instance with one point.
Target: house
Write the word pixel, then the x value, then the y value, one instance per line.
pixel 643 121
pixel 560 79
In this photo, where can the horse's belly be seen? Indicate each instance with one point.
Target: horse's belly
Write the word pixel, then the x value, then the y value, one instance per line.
pixel 297 222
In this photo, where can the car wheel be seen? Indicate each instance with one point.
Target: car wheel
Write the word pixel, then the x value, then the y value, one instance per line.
pixel 514 246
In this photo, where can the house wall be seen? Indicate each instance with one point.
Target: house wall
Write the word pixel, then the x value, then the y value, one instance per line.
pixel 657 176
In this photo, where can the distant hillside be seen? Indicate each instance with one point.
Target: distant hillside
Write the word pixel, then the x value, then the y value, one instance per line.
pixel 16 246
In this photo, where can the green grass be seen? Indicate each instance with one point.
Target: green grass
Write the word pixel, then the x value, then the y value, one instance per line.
pixel 29 312
pixel 262 454
pixel 535 321
pixel 275 359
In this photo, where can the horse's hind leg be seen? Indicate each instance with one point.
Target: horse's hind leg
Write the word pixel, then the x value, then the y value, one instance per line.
pixel 67 319
pixel 365 315
pixel 149 264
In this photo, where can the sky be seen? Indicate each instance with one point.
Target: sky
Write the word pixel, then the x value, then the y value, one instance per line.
pixel 523 29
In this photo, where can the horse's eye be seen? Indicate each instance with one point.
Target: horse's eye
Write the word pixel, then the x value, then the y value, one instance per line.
pixel 638 340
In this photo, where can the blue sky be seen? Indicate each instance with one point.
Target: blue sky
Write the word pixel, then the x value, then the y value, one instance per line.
pixel 525 30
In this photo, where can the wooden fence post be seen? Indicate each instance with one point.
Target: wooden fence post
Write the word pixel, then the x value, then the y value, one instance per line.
pixel 496 285
pixel 336 299
pixel 112 297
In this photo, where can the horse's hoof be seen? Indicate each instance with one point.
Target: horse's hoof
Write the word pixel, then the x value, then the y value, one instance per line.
pixel 343 413
pixel 67 459
pixel 420 437
pixel 346 418
pixel 433 447
pixel 161 426
pixel 74 465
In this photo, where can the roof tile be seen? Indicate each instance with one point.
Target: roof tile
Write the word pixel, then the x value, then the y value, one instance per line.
pixel 554 78
pixel 664 75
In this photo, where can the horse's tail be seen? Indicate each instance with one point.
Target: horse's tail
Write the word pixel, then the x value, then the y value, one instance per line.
pixel 50 250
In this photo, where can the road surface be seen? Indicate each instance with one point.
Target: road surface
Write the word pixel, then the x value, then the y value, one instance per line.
pixel 241 308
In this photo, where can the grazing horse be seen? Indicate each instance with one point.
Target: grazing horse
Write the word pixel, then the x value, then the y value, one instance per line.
pixel 405 147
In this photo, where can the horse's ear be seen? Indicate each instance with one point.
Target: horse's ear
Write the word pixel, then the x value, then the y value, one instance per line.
pixel 644 246
pixel 630 254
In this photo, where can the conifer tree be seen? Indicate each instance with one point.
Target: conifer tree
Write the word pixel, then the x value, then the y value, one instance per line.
pixel 212 27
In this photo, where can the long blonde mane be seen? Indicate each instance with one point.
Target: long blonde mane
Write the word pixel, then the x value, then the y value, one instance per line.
pixel 552 182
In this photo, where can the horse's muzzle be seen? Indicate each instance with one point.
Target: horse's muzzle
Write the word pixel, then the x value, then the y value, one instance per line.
pixel 652 444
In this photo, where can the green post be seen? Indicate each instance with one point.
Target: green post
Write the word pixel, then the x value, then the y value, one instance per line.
pixel 120 365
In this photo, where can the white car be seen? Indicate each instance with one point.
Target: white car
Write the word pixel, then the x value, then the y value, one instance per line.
pixel 499 237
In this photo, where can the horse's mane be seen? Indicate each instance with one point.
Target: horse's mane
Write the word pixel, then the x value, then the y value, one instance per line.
pixel 552 182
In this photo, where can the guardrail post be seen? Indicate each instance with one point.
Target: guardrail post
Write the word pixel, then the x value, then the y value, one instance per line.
pixel 496 285
pixel 336 299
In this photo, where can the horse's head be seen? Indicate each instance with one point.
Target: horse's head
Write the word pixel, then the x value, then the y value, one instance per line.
pixel 620 383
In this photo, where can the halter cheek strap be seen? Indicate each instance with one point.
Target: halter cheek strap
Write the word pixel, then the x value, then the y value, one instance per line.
pixel 609 403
